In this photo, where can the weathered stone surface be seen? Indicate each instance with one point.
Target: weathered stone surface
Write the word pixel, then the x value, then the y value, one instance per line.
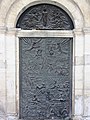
pixel 10 10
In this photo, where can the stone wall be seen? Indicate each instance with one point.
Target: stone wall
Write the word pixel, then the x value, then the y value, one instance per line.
pixel 10 10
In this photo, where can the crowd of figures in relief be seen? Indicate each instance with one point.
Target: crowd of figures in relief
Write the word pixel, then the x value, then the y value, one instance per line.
pixel 45 78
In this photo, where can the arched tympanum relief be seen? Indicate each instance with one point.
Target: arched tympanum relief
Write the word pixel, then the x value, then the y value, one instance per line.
pixel 45 65
pixel 45 16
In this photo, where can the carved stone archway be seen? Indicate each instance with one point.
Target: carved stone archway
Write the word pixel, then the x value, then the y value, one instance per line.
pixel 10 36
pixel 45 64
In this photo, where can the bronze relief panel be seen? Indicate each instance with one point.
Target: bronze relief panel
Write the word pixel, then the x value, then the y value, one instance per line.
pixel 45 78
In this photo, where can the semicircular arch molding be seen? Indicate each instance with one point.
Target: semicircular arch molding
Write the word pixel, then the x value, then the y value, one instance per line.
pixel 20 6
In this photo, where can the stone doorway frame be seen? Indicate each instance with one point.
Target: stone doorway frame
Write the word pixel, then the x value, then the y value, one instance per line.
pixel 12 34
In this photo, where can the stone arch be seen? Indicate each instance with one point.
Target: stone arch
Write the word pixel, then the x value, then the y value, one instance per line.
pixel 18 7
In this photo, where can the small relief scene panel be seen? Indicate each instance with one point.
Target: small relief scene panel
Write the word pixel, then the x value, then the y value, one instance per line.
pixel 45 16
pixel 45 78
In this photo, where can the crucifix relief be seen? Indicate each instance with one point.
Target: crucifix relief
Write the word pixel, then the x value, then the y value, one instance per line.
pixel 44 17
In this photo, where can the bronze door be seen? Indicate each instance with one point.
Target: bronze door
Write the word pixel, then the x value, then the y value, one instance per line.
pixel 45 78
